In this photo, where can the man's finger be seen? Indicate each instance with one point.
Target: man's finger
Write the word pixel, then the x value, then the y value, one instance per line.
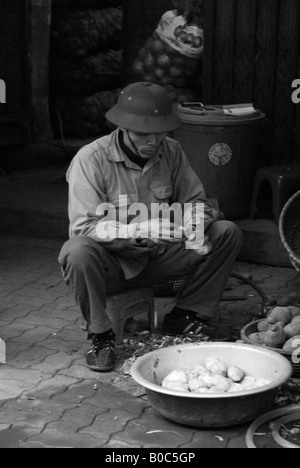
pixel 192 237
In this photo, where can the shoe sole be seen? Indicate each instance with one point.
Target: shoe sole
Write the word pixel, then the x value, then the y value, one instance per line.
pixel 101 369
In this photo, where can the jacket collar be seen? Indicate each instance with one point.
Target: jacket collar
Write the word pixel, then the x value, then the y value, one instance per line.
pixel 117 155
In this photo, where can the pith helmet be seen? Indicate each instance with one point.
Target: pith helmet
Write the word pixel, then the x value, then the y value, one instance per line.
pixel 144 107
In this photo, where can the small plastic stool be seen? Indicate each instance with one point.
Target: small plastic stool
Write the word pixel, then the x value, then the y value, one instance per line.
pixel 284 181
pixel 125 304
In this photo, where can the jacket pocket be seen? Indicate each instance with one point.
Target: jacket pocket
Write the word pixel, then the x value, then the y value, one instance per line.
pixel 163 192
pixel 122 200
pixel 121 204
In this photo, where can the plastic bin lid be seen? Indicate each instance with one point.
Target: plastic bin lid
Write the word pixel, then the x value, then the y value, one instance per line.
pixel 197 113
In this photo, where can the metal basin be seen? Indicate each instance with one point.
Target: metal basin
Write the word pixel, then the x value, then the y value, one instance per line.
pixel 211 410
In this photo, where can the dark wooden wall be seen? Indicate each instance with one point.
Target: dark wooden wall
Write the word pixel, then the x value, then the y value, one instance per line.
pixel 252 54
pixel 14 115
pixel 24 50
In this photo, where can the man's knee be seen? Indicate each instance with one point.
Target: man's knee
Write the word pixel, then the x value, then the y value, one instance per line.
pixel 233 231
pixel 77 251
pixel 227 230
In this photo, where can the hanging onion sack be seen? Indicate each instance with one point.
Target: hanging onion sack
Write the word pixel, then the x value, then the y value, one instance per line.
pixel 172 57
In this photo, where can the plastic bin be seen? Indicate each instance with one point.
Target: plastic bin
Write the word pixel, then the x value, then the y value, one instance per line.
pixel 224 152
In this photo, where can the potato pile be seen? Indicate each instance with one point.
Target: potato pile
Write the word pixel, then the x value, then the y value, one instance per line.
pixel 280 330
pixel 212 377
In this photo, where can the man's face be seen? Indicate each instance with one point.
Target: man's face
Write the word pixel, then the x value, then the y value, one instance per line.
pixel 146 144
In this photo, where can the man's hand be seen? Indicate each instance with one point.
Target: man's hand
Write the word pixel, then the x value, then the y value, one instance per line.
pixel 202 247
pixel 132 248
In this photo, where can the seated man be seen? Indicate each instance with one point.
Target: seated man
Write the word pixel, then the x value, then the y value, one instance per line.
pixel 136 164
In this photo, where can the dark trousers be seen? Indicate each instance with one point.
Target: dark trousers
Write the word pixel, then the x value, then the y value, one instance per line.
pixel 92 273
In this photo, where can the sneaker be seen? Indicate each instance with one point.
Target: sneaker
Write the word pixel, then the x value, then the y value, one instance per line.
pixel 190 324
pixel 102 356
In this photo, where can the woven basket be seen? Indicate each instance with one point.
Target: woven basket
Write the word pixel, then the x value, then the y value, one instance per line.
pixel 252 327
pixel 289 229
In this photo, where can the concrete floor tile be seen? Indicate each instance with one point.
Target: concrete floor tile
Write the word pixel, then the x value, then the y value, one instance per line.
pixel 4 396
pixel 52 386
pixel 17 331
pixel 238 441
pixel 137 434
pixel 55 323
pixel 9 373
pixel 4 427
pixel 54 363
pixel 69 314
pixel 63 303
pixel 35 291
pixel 14 437
pixel 54 343
pixel 53 280
pixel 28 356
pixel 14 313
pixel 51 438
pixel 114 420
pixel 14 388
pixel 35 302
pixel 31 334
pixel 6 290
pixel 76 393
pixel 81 417
pixel 35 414
pixel 77 369
pixel 120 444
pixel 48 396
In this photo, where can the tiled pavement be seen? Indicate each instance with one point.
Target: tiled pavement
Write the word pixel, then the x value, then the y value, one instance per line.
pixel 48 397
